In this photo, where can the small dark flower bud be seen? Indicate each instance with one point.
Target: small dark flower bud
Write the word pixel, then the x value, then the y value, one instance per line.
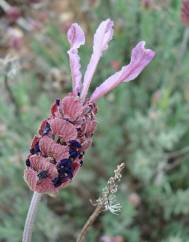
pixel 36 148
pixel 57 181
pixel 42 174
pixel 75 144
pixel 28 162
pixel 57 101
pixel 73 154
pixel 46 129
pixel 32 151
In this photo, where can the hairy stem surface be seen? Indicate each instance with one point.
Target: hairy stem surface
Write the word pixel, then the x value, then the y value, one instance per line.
pixel 12 97
pixel 27 234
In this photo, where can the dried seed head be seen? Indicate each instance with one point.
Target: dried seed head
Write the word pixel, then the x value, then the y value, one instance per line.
pixel 9 65
pixel 108 198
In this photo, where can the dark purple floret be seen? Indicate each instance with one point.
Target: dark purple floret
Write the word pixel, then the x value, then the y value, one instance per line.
pixel 81 162
pixel 28 162
pixel 32 151
pixel 75 144
pixel 42 174
pixel 46 129
pixel 64 163
pixel 81 155
pixel 73 154
pixel 36 148
pixel 57 181
pixel 64 168
pixel 57 101
pixel 69 171
pixel 66 173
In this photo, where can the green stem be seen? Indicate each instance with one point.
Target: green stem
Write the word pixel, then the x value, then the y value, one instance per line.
pixel 90 221
pixel 184 43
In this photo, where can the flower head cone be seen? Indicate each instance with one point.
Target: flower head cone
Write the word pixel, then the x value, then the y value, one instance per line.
pixel 56 153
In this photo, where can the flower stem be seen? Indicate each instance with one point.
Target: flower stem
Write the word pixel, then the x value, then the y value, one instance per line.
pixel 184 43
pixel 89 222
pixel 11 96
pixel 27 234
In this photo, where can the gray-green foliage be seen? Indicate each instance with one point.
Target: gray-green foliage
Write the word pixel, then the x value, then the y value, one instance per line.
pixel 144 123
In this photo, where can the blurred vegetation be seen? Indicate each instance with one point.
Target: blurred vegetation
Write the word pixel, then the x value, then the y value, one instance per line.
pixel 144 123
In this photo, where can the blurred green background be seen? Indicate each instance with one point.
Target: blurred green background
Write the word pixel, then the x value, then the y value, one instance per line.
pixel 144 122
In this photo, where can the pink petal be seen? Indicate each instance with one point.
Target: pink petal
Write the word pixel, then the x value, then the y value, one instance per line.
pixel 35 162
pixel 51 168
pixel 140 58
pixel 59 152
pixel 45 145
pixel 63 128
pixel 76 166
pixel 34 141
pixel 76 38
pixel 46 186
pixel 86 144
pixel 54 109
pixel 30 176
pixel 102 37
pixel 71 107
pixel 50 148
pixel 39 163
pixel 64 184
pixel 42 126
pixel 90 128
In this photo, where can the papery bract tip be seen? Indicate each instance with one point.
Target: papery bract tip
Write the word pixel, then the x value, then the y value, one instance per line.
pixel 76 38
pixel 140 58
pixel 102 37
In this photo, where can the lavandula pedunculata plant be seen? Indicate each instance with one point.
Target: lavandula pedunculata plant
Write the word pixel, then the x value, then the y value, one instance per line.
pixel 57 151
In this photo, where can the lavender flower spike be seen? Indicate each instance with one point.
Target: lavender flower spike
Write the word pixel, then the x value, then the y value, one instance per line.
pixel 140 58
pixel 57 151
pixel 76 38
pixel 102 37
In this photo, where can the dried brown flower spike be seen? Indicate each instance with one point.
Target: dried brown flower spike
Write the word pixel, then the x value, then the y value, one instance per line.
pixel 107 201
pixel 108 198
